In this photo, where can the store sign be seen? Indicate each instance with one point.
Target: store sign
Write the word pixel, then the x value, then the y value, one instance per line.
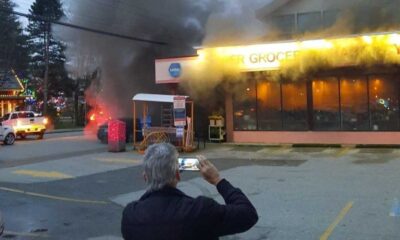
pixel 171 70
pixel 262 57
pixel 175 70
pixel 179 111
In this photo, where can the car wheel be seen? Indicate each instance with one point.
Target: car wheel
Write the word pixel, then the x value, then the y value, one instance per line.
pixel 9 139
pixel 40 136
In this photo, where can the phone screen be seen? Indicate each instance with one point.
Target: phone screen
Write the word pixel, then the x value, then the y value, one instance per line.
pixel 188 163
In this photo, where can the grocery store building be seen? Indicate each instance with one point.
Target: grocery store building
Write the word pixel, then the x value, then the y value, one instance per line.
pixel 342 89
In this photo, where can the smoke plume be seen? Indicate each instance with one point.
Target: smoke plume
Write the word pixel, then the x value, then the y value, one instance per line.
pixel 353 17
pixel 127 67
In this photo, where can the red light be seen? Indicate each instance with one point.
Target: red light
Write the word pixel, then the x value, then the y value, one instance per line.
pixel 92 117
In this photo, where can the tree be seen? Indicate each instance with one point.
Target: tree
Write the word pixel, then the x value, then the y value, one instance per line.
pixel 47 53
pixel 13 42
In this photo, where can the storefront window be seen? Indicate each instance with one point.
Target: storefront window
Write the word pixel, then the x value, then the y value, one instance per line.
pixel 325 93
pixel 384 103
pixel 354 104
pixel 294 99
pixel 269 105
pixel 244 106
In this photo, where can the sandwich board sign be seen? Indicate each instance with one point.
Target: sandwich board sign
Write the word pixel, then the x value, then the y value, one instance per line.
pixel 179 111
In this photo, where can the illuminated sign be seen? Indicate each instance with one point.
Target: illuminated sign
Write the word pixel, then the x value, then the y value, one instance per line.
pixel 265 57
pixel 170 70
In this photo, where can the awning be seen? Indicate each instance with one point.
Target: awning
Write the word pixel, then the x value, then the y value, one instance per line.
pixel 145 97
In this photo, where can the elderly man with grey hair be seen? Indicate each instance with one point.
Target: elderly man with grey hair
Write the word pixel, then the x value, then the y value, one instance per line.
pixel 164 212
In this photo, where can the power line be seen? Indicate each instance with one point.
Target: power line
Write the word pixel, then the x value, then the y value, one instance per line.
pixel 40 18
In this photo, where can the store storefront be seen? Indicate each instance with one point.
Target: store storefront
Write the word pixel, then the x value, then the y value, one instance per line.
pixel 333 91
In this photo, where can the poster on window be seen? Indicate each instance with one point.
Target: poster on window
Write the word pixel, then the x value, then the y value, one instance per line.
pixel 179 111
pixel 179 132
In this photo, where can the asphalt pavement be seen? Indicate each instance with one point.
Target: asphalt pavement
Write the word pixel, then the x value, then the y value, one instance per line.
pixel 300 193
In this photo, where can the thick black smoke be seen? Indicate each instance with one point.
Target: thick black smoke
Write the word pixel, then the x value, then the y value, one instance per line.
pixel 127 67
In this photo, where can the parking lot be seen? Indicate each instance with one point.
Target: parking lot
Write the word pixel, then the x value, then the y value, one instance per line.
pixel 300 193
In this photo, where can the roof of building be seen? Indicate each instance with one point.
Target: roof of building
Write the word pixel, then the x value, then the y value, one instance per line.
pixel 155 97
pixel 270 8
pixel 10 81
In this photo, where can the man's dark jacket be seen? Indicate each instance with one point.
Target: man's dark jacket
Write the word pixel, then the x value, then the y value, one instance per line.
pixel 170 214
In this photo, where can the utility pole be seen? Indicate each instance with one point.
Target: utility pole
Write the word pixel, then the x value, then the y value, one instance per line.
pixel 46 71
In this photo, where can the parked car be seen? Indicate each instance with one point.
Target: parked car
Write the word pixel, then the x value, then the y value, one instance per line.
pixel 26 123
pixel 7 134
pixel 102 131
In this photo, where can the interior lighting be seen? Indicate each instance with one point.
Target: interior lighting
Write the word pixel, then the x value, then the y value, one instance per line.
pixel 248 89
pixel 367 39
pixel 394 38
pixel 316 44
pixel 201 55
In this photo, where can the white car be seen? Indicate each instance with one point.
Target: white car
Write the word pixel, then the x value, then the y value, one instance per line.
pixel 7 134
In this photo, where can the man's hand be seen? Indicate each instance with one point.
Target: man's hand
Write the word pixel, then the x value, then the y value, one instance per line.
pixel 208 170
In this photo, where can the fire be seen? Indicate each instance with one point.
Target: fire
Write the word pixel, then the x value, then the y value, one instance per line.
pixel 97 116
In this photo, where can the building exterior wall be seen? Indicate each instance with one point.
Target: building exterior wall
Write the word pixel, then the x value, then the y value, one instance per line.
pixel 229 117
pixel 299 6
pixel 351 138
pixel 314 16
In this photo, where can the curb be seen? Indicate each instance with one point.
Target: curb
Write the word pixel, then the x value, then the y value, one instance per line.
pixel 64 131
pixel 313 145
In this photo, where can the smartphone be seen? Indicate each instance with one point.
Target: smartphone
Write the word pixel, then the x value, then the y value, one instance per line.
pixel 188 164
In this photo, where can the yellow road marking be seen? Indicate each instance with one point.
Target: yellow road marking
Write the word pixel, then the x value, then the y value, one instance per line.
pixel 25 234
pixel 52 197
pixel 339 218
pixel 42 174
pixel 342 152
pixel 280 150
pixel 118 160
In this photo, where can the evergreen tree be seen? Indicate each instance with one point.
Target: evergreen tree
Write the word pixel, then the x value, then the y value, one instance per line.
pixel 13 42
pixel 42 44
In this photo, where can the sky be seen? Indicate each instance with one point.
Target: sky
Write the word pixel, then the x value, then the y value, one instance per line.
pixel 23 7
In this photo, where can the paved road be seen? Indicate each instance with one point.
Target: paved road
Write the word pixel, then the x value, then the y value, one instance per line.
pixel 300 193
pixel 53 146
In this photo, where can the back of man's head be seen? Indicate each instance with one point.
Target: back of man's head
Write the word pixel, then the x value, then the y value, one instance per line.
pixel 160 165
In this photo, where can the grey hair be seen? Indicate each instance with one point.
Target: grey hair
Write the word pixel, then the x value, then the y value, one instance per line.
pixel 160 165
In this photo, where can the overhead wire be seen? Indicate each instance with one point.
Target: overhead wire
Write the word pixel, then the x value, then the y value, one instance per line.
pixel 83 28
